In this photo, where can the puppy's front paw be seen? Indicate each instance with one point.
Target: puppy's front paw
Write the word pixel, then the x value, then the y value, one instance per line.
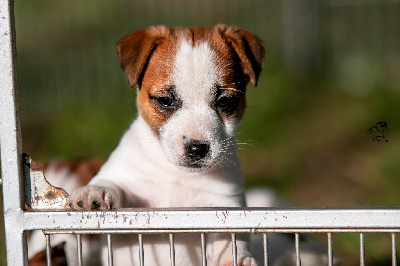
pixel 246 261
pixel 93 198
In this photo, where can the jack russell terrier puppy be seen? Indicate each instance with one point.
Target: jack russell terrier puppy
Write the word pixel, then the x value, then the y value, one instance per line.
pixel 181 149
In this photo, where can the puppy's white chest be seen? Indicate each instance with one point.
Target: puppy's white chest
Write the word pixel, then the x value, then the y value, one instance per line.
pixel 167 195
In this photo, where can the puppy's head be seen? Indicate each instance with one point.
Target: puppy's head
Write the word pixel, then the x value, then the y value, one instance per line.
pixel 191 87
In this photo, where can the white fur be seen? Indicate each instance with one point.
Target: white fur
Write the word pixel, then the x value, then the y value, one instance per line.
pixel 194 75
pixel 195 71
pixel 148 171
pixel 139 167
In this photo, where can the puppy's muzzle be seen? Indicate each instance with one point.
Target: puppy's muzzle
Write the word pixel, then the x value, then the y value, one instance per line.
pixel 195 150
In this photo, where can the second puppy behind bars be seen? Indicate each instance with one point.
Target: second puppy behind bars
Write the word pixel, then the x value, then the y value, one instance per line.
pixel 181 149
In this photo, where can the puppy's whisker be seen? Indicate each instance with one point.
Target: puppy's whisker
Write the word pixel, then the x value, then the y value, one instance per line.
pixel 227 161
pixel 232 138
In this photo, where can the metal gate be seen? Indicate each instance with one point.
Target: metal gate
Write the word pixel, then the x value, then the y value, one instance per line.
pixel 19 220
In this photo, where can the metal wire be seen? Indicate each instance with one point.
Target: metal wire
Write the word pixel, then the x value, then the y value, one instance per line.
pixel 394 250
pixel 110 252
pixel 141 252
pixel 234 249
pixel 362 250
pixel 172 249
pixel 48 250
pixel 297 246
pixel 79 249
pixel 203 249
pixel 330 251
pixel 265 247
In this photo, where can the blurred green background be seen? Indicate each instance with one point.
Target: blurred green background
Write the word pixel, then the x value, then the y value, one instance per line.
pixel 332 72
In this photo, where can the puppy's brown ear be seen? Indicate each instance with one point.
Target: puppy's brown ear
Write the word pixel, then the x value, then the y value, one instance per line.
pixel 135 49
pixel 249 48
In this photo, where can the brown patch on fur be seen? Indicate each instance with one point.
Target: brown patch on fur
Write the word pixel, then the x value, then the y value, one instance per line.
pixel 135 49
pixel 147 59
pixel 248 47
pixel 85 169
pixel 58 257
pixel 234 77
pixel 156 81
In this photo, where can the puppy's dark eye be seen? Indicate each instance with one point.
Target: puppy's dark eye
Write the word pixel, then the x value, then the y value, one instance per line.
pixel 165 101
pixel 227 104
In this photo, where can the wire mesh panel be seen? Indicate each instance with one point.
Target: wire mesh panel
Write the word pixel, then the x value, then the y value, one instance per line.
pixel 327 258
pixel 263 223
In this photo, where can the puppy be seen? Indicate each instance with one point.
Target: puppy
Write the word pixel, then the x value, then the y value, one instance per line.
pixel 181 149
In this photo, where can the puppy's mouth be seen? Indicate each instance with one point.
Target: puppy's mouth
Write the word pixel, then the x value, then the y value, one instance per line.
pixel 196 165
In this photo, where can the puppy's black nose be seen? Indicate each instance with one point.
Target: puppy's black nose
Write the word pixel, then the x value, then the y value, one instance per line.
pixel 196 149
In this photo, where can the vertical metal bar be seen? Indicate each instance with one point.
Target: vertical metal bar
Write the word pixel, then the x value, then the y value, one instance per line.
pixel 394 250
pixel 48 250
pixel 172 249
pixel 79 250
pixel 362 250
pixel 141 252
pixel 10 139
pixel 234 249
pixel 297 246
pixel 110 252
pixel 265 246
pixel 203 249
pixel 330 252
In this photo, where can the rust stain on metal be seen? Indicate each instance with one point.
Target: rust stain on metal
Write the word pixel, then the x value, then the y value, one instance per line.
pixel 40 194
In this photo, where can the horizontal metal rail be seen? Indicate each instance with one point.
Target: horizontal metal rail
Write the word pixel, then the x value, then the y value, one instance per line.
pixel 252 220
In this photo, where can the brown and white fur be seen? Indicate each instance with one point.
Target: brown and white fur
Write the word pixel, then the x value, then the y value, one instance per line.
pixel 181 149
